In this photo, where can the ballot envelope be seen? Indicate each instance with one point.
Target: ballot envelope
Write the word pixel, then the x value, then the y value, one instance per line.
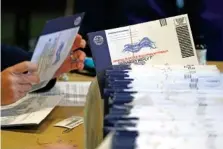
pixel 54 45
pixel 163 41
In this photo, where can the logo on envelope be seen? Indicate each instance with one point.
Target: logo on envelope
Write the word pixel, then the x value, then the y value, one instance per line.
pixel 58 53
pixel 77 21
pixel 138 46
pixel 98 40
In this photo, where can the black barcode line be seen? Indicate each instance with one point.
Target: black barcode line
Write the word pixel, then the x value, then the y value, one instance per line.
pixel 163 22
pixel 184 41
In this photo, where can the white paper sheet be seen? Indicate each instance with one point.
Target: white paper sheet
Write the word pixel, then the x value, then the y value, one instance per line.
pixel 74 93
pixel 31 110
pixel 161 41
pixel 48 53
pixel 70 122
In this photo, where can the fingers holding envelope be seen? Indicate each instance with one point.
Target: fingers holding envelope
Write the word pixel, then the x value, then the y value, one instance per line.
pixel 77 60
pixel 78 43
pixel 78 57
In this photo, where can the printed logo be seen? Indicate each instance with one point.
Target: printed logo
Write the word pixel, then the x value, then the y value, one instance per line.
pixel 58 53
pixel 98 40
pixel 136 47
pixel 77 21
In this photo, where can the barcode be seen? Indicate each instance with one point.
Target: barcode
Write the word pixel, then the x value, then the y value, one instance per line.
pixel 194 80
pixel 163 22
pixel 193 85
pixel 187 76
pixel 184 41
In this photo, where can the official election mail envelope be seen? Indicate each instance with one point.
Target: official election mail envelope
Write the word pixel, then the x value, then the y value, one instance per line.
pixel 164 41
pixel 54 45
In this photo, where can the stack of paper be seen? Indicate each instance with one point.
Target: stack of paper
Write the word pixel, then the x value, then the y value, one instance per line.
pixel 165 106
pixel 73 93
pixel 164 41
pixel 156 95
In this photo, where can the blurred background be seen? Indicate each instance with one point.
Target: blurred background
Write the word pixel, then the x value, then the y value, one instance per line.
pixel 23 21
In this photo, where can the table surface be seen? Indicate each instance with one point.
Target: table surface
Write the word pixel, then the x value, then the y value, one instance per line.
pixel 46 132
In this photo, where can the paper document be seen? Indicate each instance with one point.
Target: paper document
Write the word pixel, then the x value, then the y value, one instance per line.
pixel 31 111
pixel 156 106
pixel 164 41
pixel 70 122
pixel 73 88
pixel 54 46
pixel 167 40
pixel 74 93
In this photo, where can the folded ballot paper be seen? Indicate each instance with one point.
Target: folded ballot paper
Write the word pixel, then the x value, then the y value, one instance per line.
pixel 164 41
pixel 52 48
pixel 74 93
pixel 54 45
pixel 31 110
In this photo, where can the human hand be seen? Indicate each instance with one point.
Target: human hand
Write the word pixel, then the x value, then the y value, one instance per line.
pixel 16 84
pixel 78 55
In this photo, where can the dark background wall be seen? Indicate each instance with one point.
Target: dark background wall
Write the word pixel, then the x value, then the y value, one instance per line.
pixel 215 6
pixel 23 21
pixel 15 28
pixel 214 14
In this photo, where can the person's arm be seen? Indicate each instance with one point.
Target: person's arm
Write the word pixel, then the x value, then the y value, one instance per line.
pixel 11 56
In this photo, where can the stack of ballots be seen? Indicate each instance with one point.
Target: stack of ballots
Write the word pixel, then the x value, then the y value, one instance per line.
pixel 165 106
pixel 155 93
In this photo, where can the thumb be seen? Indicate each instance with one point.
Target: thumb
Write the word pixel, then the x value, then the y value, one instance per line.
pixel 24 67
